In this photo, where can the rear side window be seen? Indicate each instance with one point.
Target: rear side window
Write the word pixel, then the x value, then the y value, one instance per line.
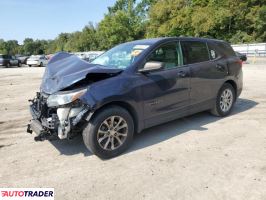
pixel 194 52
pixel 213 52
pixel 226 49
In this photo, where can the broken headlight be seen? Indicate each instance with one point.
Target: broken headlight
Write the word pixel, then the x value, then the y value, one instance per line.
pixel 62 98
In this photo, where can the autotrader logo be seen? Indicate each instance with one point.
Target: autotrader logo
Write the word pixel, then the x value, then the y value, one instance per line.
pixel 27 193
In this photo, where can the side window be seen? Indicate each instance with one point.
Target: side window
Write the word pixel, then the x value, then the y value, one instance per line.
pixel 168 53
pixel 194 52
pixel 212 51
pixel 226 49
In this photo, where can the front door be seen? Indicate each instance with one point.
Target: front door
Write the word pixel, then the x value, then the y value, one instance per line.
pixel 165 92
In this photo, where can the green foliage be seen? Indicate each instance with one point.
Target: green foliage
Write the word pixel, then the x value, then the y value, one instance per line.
pixel 9 47
pixel 124 22
pixel 236 21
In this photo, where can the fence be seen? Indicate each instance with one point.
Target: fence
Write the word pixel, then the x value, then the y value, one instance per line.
pixel 256 50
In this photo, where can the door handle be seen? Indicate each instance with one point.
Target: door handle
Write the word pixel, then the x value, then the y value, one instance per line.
pixel 220 67
pixel 182 74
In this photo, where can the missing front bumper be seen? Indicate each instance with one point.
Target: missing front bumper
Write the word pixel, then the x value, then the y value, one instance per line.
pixel 41 134
pixel 66 123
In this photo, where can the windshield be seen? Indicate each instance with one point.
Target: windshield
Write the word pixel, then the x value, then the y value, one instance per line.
pixel 121 56
pixel 3 56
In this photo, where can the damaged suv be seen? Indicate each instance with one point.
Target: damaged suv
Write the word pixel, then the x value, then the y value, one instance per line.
pixel 131 87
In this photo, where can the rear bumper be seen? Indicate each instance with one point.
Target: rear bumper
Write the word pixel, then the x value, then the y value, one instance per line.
pixel 33 63
pixel 239 91
pixel 239 83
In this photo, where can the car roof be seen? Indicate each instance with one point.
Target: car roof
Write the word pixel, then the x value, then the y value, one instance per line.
pixel 152 41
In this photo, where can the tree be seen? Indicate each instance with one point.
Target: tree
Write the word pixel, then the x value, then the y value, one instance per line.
pixel 28 46
pixel 235 21
pixel 125 21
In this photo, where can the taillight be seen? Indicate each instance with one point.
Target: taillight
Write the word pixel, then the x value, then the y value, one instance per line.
pixel 239 62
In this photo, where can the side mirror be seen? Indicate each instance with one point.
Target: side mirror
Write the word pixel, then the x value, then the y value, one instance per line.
pixel 152 66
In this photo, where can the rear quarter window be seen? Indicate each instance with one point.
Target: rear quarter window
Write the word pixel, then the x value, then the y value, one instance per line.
pixel 213 51
pixel 226 49
pixel 194 52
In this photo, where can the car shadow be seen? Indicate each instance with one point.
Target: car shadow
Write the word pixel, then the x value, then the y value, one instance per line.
pixel 158 133
pixel 71 147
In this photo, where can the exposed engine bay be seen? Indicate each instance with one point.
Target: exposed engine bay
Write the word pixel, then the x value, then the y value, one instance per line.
pixel 57 110
pixel 56 122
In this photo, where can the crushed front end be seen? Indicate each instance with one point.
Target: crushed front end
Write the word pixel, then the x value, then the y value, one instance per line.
pixel 57 116
pixel 64 104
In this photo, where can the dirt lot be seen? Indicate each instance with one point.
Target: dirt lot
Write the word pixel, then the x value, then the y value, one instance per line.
pixel 198 157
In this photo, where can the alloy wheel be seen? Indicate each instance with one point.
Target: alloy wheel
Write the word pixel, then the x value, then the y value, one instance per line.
pixel 112 133
pixel 226 100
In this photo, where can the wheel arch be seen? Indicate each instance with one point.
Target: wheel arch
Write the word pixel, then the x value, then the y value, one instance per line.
pixel 234 85
pixel 124 105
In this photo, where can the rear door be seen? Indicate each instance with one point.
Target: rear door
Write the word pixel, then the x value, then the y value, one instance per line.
pixel 11 61
pixel 207 73
pixel 165 92
pixel 14 61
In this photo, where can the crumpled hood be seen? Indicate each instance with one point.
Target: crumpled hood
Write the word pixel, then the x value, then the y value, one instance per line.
pixel 64 69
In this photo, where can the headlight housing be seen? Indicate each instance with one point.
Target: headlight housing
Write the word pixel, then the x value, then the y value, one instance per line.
pixel 63 98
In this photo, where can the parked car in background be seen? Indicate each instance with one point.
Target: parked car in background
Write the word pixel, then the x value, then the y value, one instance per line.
pixel 241 56
pixel 91 56
pixel 23 59
pixel 8 61
pixel 49 56
pixel 88 55
pixel 37 60
pixel 134 86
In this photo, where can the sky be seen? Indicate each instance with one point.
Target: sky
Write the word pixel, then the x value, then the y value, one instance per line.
pixel 45 19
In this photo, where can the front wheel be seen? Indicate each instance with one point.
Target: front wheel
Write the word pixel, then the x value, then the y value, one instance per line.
pixel 109 133
pixel 41 64
pixel 224 101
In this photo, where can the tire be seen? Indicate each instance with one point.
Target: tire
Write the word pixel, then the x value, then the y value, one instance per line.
pixel 94 132
pixel 41 64
pixel 224 107
pixel 8 65
pixel 29 65
pixel 19 64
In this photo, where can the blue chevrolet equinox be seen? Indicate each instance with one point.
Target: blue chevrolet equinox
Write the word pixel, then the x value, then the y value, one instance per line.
pixel 131 87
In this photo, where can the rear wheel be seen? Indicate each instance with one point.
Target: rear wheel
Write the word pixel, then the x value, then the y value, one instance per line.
pixel 19 64
pixel 109 133
pixel 41 64
pixel 224 101
pixel 8 65
pixel 29 65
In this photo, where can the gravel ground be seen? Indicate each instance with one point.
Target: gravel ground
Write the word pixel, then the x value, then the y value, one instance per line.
pixel 197 157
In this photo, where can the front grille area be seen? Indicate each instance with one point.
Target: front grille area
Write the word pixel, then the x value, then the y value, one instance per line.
pixel 39 104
